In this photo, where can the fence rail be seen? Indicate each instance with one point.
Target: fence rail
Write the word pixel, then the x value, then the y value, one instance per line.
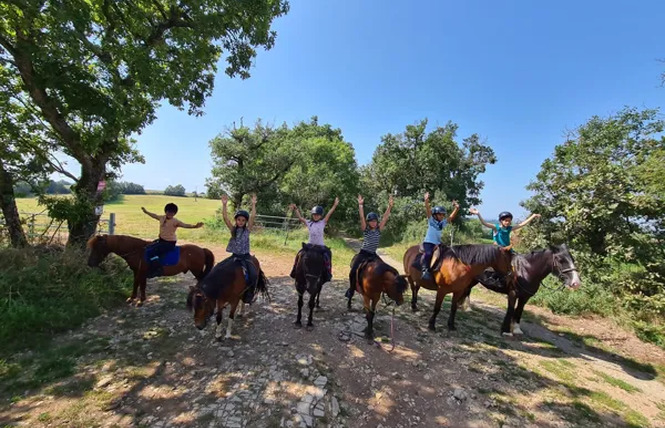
pixel 39 228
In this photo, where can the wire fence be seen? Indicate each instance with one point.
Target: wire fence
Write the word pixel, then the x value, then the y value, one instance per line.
pixel 277 223
pixel 40 229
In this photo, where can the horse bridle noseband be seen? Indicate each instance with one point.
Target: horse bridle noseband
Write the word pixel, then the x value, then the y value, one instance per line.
pixel 556 269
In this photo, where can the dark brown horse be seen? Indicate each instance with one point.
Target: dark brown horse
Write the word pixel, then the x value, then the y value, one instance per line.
pixel 458 266
pixel 374 278
pixel 224 285
pixel 531 270
pixel 194 259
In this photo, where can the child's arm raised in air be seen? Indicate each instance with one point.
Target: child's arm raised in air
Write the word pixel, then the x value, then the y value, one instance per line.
pixel 428 209
pixel 527 221
pixel 386 214
pixel 482 220
pixel 332 210
pixel 225 214
pixel 454 213
pixel 252 215
pixel 155 216
pixel 297 211
pixel 361 211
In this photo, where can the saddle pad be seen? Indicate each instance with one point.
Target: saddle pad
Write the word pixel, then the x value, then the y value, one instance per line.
pixel 169 259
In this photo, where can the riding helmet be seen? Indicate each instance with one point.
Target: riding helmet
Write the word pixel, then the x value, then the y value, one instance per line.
pixel 438 210
pixel 171 208
pixel 317 210
pixel 372 216
pixel 505 214
pixel 242 213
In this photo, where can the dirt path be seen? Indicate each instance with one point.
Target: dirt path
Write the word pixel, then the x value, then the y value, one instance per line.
pixel 150 367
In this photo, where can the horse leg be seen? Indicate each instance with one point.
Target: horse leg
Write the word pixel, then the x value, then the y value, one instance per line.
pixel 465 303
pixel 142 299
pixel 453 310
pixel 311 304
pixel 414 294
pixel 506 327
pixel 218 328
pixel 318 295
pixel 440 295
pixel 521 302
pixel 229 326
pixel 135 289
pixel 370 307
pixel 298 322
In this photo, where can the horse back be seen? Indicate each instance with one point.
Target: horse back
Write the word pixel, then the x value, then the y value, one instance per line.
pixel 410 256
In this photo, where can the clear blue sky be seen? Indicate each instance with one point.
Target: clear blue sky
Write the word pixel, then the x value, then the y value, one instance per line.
pixel 519 73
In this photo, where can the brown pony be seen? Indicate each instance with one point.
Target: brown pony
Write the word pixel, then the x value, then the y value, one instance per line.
pixel 376 277
pixel 455 270
pixel 195 259
pixel 225 285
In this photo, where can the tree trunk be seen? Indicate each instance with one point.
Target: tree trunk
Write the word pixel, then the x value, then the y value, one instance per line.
pixel 237 200
pixel 84 225
pixel 10 210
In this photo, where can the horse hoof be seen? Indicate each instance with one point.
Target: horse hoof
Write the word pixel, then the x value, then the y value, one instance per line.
pixel 139 304
pixel 297 324
pixel 452 328
pixel 431 327
pixel 219 338
pixel 506 334
pixel 129 300
pixel 414 309
pixel 309 327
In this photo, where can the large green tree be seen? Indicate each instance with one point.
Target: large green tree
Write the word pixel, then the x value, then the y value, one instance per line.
pixel 602 190
pixel 250 160
pixel 417 161
pixel 96 71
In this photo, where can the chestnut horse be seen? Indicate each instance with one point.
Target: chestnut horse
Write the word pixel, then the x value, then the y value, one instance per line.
pixel 225 285
pixel 531 270
pixel 375 277
pixel 457 268
pixel 195 259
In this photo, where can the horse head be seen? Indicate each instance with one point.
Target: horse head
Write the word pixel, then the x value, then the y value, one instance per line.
pixel 202 307
pixel 99 249
pixel 397 289
pixel 313 266
pixel 563 266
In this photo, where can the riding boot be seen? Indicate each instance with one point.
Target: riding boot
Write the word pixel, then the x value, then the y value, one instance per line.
pixel 426 274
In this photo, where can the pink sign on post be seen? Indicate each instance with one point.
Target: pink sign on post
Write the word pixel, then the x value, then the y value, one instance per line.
pixel 101 186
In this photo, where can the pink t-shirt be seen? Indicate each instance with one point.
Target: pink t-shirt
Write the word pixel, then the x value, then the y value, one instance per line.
pixel 316 231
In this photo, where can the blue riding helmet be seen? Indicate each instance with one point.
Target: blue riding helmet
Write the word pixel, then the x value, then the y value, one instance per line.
pixel 439 210
pixel 241 213
pixel 372 216
pixel 504 215
pixel 318 210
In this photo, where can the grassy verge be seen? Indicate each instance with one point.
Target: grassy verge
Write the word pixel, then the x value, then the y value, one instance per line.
pixel 44 291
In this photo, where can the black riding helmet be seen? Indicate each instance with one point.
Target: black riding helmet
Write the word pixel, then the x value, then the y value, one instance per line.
pixel 439 210
pixel 318 210
pixel 171 208
pixel 241 213
pixel 504 215
pixel 372 216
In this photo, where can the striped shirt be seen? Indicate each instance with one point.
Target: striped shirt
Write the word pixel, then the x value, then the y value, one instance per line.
pixel 371 239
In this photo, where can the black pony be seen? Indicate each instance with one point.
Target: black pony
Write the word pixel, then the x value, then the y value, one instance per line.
pixel 531 269
pixel 310 274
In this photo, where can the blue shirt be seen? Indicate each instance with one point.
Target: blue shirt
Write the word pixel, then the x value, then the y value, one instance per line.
pixel 434 228
pixel 502 235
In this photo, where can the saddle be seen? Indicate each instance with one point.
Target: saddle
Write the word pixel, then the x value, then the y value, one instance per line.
pixel 171 258
pixel 437 257
pixel 361 271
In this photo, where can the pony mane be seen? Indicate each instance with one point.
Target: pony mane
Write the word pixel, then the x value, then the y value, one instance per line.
pixel 474 254
pixel 92 241
pixel 400 282
pixel 214 283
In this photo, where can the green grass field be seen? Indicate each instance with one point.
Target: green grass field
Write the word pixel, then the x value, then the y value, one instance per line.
pixel 130 220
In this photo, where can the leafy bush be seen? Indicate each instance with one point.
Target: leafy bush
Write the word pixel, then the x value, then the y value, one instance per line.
pixel 47 290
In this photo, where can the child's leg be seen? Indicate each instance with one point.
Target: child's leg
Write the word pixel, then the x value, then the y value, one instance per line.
pixel 295 265
pixel 427 259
